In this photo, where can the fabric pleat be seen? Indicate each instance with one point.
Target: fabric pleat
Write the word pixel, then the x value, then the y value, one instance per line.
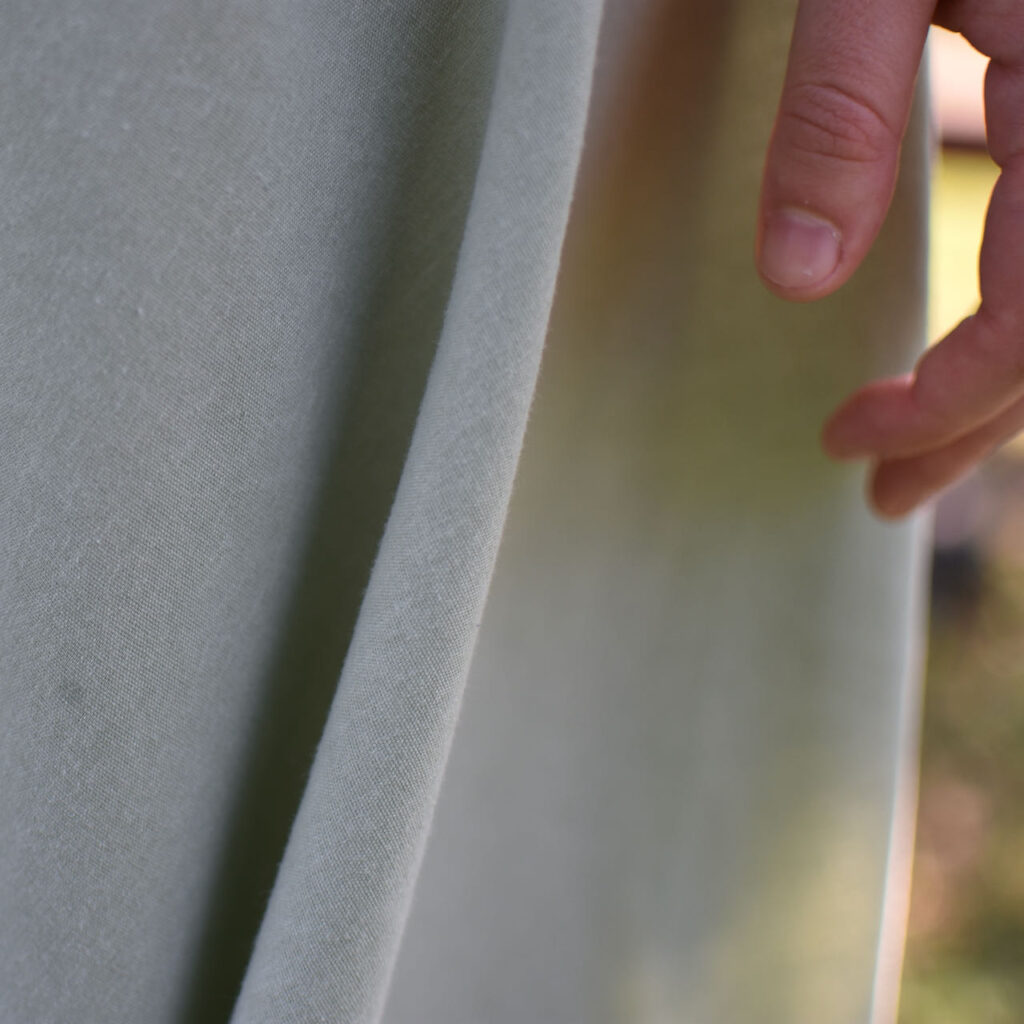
pixel 359 665
pixel 261 262
pixel 332 927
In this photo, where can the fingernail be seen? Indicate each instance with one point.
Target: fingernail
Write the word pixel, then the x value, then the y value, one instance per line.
pixel 799 249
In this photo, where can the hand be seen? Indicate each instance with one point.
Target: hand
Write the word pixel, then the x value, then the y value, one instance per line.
pixel 828 182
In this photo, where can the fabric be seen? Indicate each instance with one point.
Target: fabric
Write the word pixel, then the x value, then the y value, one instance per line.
pixel 276 284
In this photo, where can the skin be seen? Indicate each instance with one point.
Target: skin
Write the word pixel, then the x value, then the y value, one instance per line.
pixel 833 159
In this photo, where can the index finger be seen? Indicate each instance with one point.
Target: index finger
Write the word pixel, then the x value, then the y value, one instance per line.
pixel 831 164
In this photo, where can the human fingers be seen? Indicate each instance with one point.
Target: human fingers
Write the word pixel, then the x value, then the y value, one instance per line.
pixel 978 369
pixel 831 164
pixel 898 486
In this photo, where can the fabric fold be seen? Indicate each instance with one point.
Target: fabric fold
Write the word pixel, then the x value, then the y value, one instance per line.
pixel 332 926
pixel 286 493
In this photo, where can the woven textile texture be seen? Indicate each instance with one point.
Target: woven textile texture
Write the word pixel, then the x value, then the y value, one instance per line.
pixel 310 715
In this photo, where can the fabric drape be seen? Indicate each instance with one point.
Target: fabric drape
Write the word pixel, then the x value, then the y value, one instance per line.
pixel 277 281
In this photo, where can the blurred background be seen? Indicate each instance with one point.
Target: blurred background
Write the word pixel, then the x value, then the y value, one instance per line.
pixel 965 952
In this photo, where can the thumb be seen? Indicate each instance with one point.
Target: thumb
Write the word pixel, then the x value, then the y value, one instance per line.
pixel 832 160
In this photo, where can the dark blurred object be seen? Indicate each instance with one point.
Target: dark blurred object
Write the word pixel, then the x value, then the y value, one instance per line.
pixel 958 560
pixel 966 931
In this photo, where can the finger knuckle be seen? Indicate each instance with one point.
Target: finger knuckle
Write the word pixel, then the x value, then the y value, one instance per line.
pixel 825 120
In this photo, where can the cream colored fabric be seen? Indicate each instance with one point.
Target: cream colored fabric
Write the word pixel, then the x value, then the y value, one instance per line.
pixel 276 283
pixel 683 775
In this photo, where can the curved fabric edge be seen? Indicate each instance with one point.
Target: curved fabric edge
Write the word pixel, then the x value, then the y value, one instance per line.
pixel 329 938
pixel 903 822
pixel 896 896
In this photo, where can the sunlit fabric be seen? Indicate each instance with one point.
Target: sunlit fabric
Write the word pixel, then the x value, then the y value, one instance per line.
pixel 319 702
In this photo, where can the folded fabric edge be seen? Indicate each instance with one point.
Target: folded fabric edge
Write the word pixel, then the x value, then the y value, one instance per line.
pixel 329 939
